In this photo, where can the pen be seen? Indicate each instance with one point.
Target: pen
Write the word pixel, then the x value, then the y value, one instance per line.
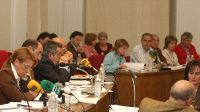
pixel 21 105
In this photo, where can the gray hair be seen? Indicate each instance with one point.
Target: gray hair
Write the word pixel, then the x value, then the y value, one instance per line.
pixel 50 48
pixel 186 35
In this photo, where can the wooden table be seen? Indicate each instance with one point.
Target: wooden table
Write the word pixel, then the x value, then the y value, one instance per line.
pixel 155 85
pixel 101 106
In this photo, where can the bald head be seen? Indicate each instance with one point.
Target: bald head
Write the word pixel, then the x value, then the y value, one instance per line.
pixel 182 90
pixel 60 40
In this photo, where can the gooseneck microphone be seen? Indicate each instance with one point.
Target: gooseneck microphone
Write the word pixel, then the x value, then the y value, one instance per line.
pixel 15 84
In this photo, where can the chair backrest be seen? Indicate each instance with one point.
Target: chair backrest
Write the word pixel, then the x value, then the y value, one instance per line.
pixel 96 61
pixel 3 56
pixel 124 88
pixel 128 58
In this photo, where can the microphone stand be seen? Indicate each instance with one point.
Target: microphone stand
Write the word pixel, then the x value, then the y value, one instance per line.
pixel 91 77
pixel 15 84
pixel 134 76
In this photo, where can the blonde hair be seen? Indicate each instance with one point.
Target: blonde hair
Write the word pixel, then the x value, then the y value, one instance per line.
pixel 119 43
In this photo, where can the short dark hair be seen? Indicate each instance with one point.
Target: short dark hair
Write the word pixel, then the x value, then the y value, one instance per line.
pixel 50 47
pixel 75 33
pixel 146 34
pixel 89 37
pixel 190 66
pixel 43 35
pixel 30 42
pixel 186 35
pixel 168 39
pixel 119 43
pixel 53 35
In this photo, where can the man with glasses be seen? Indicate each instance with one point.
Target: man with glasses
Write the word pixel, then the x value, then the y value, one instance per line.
pixel 140 54
pixel 48 67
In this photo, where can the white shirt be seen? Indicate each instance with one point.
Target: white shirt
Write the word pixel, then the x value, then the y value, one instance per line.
pixel 171 57
pixel 15 73
pixel 139 55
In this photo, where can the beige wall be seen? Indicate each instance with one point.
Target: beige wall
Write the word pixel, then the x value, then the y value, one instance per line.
pixel 128 19
pixel 13 23
pixel 5 24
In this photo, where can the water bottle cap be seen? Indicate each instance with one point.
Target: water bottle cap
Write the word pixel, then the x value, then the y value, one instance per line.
pixel 66 83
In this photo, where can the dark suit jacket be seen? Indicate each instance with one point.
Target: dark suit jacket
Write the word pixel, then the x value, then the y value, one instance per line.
pixel 150 105
pixel 46 69
pixel 75 53
pixel 8 91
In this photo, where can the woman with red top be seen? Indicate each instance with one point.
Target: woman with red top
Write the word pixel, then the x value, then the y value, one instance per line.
pixel 90 41
pixel 103 47
pixel 185 48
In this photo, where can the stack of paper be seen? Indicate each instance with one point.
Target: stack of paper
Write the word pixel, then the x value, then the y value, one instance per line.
pixel 134 66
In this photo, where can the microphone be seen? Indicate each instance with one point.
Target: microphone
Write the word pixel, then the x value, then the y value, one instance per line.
pixel 86 63
pixel 35 86
pixel 50 87
pixel 15 84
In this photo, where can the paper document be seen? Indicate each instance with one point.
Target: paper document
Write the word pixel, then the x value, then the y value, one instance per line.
pixel 119 108
pixel 135 66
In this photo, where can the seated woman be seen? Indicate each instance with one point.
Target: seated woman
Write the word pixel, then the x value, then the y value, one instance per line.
pixel 16 67
pixel 115 59
pixel 192 74
pixel 90 41
pixel 103 47
pixel 168 52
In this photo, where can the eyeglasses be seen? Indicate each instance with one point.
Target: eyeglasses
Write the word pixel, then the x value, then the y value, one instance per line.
pixel 27 67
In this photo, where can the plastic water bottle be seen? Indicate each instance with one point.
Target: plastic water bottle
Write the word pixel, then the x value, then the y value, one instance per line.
pixel 187 59
pixel 102 73
pixel 52 103
pixel 67 90
pixel 78 59
pixel 97 86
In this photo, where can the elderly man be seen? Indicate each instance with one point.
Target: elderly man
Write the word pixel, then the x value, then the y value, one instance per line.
pixel 185 48
pixel 34 46
pixel 47 68
pixel 155 47
pixel 140 54
pixel 180 100
pixel 67 56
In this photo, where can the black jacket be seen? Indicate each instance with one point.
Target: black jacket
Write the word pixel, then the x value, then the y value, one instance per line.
pixel 46 69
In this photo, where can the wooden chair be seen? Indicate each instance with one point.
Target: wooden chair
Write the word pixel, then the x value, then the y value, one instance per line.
pixel 124 88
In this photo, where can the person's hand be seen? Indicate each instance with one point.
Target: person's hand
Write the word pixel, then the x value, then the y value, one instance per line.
pixel 66 58
pixel 122 66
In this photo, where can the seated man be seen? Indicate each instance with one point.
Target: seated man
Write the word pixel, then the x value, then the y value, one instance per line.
pixel 155 47
pixel 140 53
pixel 35 47
pixel 74 45
pixel 185 48
pixel 67 56
pixel 47 67
pixel 180 100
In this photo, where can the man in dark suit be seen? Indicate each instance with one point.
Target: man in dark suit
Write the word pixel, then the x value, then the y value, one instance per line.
pixel 74 45
pixel 180 100
pixel 48 67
